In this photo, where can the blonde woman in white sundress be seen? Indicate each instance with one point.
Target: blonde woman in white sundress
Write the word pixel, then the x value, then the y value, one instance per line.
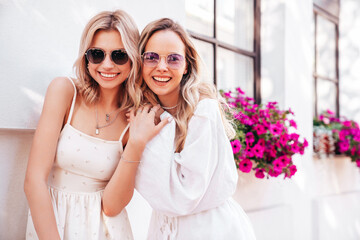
pixel 78 148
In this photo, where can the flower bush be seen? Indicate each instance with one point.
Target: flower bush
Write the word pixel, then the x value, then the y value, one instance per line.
pixel 263 140
pixel 344 136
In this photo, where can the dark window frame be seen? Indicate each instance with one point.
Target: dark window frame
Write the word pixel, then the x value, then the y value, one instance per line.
pixel 321 10
pixel 255 54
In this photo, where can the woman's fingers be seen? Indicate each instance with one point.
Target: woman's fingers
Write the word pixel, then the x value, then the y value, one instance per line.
pixel 127 115
pixel 155 108
pixel 163 123
pixel 146 108
pixel 131 114
pixel 139 110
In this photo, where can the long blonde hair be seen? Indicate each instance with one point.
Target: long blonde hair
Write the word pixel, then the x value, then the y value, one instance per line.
pixel 125 25
pixel 191 87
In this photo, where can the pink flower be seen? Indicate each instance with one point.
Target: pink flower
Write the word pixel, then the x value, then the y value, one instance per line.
pixel 240 91
pixel 305 144
pixel 259 173
pixel 275 129
pixel 283 139
pixel 293 170
pixel 245 165
pixel 228 94
pixel 236 146
pixel 295 147
pixel 249 152
pixel 353 151
pixel 342 134
pixel 284 160
pixel 261 143
pixel 271 105
pixel 294 136
pixel 347 124
pixel 301 150
pixel 260 129
pixel 293 124
pixel 274 173
pixel 326 120
pixel 258 150
pixel 277 165
pixel 331 113
pixel 358 163
pixel 249 138
pixel 232 105
pixel 344 146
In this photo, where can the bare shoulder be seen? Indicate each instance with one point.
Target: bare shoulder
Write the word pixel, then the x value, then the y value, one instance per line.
pixel 60 92
pixel 62 85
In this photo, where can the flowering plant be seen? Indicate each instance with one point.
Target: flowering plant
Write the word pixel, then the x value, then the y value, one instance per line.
pixel 263 141
pixel 345 134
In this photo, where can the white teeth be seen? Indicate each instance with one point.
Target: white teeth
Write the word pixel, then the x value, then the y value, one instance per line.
pixel 162 79
pixel 108 75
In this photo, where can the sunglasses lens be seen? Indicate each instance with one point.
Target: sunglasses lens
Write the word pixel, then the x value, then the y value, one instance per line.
pixel 174 60
pixel 119 57
pixel 151 59
pixel 95 56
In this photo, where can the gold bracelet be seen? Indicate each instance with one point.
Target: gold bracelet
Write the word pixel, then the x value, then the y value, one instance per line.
pixel 124 160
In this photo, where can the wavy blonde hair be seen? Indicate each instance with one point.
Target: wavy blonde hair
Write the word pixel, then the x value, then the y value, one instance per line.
pixel 125 25
pixel 191 87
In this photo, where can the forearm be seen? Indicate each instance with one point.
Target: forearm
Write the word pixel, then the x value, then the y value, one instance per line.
pixel 41 209
pixel 120 188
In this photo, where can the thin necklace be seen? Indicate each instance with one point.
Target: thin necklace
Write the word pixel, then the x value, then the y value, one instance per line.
pixel 107 115
pixel 98 127
pixel 168 108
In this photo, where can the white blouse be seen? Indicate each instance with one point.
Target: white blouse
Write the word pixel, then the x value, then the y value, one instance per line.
pixel 190 192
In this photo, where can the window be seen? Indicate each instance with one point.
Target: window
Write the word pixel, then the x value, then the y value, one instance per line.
pixel 227 35
pixel 326 64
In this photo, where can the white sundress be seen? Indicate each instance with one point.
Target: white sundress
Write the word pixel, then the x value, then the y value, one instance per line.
pixel 83 166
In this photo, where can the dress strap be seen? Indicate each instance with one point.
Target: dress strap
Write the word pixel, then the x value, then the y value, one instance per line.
pixel 123 133
pixel 73 102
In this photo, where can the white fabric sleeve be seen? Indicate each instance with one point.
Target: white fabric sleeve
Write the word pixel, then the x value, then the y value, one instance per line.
pixel 192 180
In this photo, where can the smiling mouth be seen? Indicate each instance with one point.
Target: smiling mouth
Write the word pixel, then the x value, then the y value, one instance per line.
pixel 162 79
pixel 109 75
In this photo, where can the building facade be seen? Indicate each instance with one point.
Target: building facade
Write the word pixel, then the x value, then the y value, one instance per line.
pixel 304 54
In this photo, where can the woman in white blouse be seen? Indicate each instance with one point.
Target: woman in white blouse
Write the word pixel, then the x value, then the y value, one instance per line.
pixel 187 173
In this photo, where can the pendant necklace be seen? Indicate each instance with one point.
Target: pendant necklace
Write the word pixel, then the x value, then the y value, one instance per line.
pixel 107 115
pixel 107 118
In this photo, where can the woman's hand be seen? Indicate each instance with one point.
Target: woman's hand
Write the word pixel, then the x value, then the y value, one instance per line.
pixel 157 115
pixel 142 124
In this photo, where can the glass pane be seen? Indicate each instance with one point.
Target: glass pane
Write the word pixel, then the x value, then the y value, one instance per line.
pixel 326 95
pixel 235 70
pixel 326 48
pixel 206 52
pixel 235 23
pixel 200 16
